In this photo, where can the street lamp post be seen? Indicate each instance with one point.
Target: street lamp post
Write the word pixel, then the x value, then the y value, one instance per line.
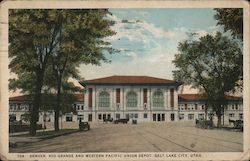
pixel 61 119
pixel 44 121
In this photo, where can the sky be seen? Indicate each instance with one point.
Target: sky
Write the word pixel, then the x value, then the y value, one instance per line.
pixel 148 40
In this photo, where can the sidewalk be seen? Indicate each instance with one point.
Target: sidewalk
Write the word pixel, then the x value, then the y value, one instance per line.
pixel 27 132
pixel 16 140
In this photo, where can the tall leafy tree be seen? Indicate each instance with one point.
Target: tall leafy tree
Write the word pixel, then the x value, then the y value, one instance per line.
pixel 36 36
pixel 231 19
pixel 212 64
pixel 86 47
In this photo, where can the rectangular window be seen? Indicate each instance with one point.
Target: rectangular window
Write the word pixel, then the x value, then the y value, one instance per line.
pixel 171 97
pixel 136 115
pixel 145 115
pixel 80 117
pixel 196 106
pixel 236 106
pixel 103 116
pixel 18 106
pixel 145 95
pixel 201 116
pixel 163 117
pixel 231 115
pixel 154 117
pixel 117 95
pixel 241 116
pixel 158 117
pixel 185 106
pixel 181 116
pixel 190 116
pixel 90 118
pixel 100 116
pixel 117 116
pixel 90 97
pixel 69 117
pixel 172 116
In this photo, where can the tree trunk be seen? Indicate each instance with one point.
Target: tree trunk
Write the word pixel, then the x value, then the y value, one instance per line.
pixel 219 121
pixel 36 102
pixel 58 104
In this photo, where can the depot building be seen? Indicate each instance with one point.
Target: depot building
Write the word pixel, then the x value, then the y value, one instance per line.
pixel 141 98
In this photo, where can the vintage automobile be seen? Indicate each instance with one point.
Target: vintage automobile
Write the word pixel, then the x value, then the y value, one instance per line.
pixel 204 124
pixel 124 121
pixel 237 124
pixel 108 120
pixel 84 126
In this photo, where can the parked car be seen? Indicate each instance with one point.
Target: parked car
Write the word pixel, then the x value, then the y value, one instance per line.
pixel 84 126
pixel 108 120
pixel 238 124
pixel 124 121
pixel 204 124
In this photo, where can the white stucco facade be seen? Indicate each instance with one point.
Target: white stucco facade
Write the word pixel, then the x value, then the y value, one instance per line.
pixel 143 112
pixel 141 98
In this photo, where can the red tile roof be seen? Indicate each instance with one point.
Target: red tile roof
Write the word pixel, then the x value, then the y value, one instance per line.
pixel 20 98
pixel 199 97
pixel 190 97
pixel 79 97
pixel 128 80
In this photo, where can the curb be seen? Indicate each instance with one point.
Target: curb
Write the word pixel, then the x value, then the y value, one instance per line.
pixel 15 145
pixel 56 135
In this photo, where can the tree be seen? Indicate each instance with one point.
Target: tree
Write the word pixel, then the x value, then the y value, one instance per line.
pixel 231 19
pixel 71 53
pixel 211 64
pixel 37 35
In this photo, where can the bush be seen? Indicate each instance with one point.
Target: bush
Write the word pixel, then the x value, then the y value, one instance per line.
pixel 22 127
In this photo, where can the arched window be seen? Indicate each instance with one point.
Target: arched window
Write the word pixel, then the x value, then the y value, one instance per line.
pixel 158 99
pixel 104 99
pixel 131 99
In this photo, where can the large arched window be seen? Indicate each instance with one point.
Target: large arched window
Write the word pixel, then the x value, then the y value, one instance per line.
pixel 158 99
pixel 104 99
pixel 131 99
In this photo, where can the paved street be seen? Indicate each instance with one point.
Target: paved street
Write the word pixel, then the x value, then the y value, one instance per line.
pixel 144 137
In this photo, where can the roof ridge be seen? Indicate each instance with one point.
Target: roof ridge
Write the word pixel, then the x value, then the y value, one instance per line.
pixel 128 76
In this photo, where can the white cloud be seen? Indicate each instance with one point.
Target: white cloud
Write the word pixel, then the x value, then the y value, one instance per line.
pixel 136 30
pixel 156 60
pixel 157 31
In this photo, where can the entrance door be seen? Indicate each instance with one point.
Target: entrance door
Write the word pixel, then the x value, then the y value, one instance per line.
pixel 154 117
pixel 172 116
pixel 163 117
pixel 90 118
pixel 104 116
pixel 117 116
pixel 158 117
